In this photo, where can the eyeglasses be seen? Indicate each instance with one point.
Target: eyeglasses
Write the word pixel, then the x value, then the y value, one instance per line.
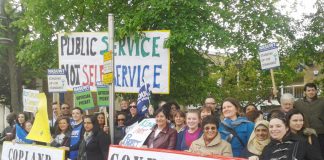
pixel 133 106
pixel 120 119
pixel 210 128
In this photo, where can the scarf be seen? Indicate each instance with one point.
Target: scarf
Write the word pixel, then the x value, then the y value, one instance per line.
pixel 254 145
pixel 87 136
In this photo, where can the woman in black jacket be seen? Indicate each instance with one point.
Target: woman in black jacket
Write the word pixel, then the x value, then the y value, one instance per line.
pixel 95 143
pixel 297 126
pixel 286 146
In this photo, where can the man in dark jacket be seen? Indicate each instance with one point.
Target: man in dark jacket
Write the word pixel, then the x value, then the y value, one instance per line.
pixel 313 109
pixel 8 130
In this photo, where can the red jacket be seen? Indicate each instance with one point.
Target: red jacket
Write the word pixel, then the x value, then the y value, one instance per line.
pixel 166 139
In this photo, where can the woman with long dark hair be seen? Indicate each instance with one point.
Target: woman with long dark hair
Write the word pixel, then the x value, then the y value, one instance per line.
pixel 285 145
pixel 95 142
pixel 297 126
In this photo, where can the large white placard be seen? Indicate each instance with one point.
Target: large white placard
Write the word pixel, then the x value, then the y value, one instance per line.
pixel 139 133
pixel 17 151
pixel 129 153
pixel 30 100
pixel 81 55
pixel 269 56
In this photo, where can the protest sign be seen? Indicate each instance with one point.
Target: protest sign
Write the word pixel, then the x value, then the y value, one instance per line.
pixel 83 97
pixel 81 55
pixel 108 68
pixel 30 100
pixel 41 131
pixel 269 57
pixel 18 151
pixel 102 95
pixel 130 153
pixel 138 134
pixel 56 79
pixel 143 100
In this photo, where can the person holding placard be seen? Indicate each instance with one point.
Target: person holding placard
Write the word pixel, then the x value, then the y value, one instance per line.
pixel 101 121
pixel 133 116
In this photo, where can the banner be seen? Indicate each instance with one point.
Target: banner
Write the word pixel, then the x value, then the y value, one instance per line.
pixel 143 100
pixel 30 100
pixel 102 95
pixel 138 134
pixel 41 131
pixel 130 153
pixel 83 97
pixel 81 55
pixel 56 80
pixel 17 151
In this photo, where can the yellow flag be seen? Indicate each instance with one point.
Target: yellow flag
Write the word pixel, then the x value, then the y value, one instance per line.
pixel 41 131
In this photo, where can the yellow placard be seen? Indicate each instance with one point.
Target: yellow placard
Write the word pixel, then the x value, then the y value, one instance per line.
pixel 107 78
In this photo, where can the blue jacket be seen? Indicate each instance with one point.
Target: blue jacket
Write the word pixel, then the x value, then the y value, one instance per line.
pixel 181 141
pixel 243 129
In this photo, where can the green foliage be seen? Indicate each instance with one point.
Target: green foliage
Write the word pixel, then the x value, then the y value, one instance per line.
pixel 195 26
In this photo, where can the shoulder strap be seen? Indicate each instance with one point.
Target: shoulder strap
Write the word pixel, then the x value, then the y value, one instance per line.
pixel 232 131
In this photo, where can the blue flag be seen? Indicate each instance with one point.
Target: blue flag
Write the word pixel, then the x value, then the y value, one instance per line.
pixel 143 100
pixel 21 135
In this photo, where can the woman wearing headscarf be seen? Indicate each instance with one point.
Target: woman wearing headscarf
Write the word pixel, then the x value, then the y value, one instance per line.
pixel 258 140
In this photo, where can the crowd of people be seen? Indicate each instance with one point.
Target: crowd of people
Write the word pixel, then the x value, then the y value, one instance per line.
pixel 294 131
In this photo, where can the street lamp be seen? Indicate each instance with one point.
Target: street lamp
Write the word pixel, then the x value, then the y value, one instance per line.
pixel 5 41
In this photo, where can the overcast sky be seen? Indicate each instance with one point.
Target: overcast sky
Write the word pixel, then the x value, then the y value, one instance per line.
pixel 301 7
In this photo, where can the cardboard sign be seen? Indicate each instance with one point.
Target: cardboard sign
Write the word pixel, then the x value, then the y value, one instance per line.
pixel 269 57
pixel 17 151
pixel 138 134
pixel 56 79
pixel 30 100
pixel 102 95
pixel 108 68
pixel 130 153
pixel 81 55
pixel 83 97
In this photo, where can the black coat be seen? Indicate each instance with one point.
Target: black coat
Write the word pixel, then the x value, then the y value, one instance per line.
pixel 97 147
pixel 284 150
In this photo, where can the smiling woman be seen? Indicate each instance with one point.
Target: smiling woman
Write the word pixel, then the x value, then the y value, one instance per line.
pixel 235 129
pixel 210 143
pixel 285 145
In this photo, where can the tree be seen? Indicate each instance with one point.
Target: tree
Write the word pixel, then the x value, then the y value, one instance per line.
pixel 195 26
